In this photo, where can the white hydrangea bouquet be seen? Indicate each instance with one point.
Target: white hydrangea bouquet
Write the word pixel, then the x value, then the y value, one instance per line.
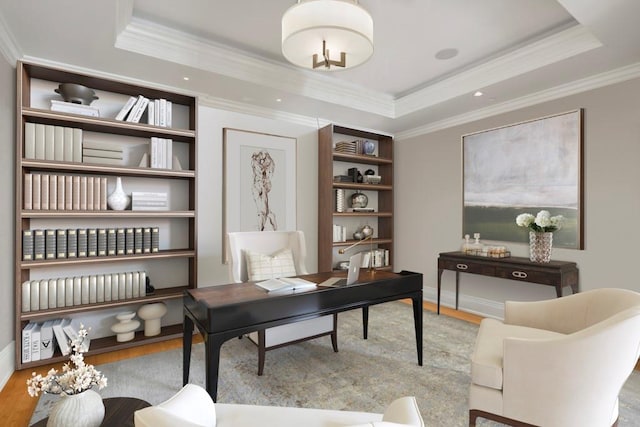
pixel 542 222
pixel 76 376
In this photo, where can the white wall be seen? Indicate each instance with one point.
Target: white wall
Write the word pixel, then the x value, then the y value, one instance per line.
pixel 7 237
pixel 429 200
pixel 211 121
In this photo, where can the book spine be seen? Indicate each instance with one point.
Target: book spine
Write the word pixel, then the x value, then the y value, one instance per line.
pixel 103 193
pixel 61 189
pixel 28 191
pixel 44 192
pixel 75 193
pixel 100 288
pixel 36 191
pixel 129 241
pixel 53 192
pixel 26 343
pixel 61 294
pixel 58 143
pixel 26 296
pixel 68 292
pixel 107 288
pixel 43 294
pixel 77 291
pixel 102 241
pixel 135 284
pixel 35 295
pixel 146 240
pixel 143 283
pixel 67 142
pixel 122 284
pixel 155 239
pixel 39 141
pixel 128 285
pixel 53 293
pixel 38 245
pixel 61 243
pixel 84 289
pixel 93 289
pixel 92 242
pixel 72 243
pixel 83 193
pixel 35 343
pixel 27 245
pixel 97 198
pixel 29 140
pixel 115 287
pixel 50 244
pixel 68 191
pixel 82 243
pixel 76 137
pixel 49 142
pixel 90 187
pixel 126 108
pixel 111 241
pixel 137 240
pixel 120 241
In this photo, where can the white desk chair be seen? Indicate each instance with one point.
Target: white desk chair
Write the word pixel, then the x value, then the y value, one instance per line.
pixel 266 244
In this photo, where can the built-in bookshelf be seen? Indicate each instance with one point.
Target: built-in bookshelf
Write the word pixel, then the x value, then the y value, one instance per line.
pixel 173 179
pixel 333 164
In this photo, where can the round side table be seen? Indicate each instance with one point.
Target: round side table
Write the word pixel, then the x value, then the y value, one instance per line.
pixel 118 412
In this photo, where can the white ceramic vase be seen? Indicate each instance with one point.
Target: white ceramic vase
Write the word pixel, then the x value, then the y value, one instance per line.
pixel 151 314
pixel 79 410
pixel 118 200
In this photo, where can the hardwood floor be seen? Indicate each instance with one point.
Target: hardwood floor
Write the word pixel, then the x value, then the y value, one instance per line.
pixel 16 406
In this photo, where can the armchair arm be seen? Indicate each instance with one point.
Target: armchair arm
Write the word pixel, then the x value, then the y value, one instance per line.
pixel 572 380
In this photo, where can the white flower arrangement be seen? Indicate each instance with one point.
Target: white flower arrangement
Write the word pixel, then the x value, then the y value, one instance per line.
pixel 543 222
pixel 75 377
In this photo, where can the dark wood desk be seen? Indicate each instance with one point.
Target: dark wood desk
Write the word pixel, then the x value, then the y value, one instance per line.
pixel 229 311
pixel 118 412
pixel 555 273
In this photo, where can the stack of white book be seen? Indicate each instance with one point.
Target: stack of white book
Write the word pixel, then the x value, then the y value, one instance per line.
pixel 161 153
pixel 158 111
pixel 49 142
pixel 109 153
pixel 339 233
pixel 149 201
pixel 70 107
pixel 39 340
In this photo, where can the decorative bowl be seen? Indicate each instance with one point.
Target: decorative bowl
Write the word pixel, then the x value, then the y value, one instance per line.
pixel 75 93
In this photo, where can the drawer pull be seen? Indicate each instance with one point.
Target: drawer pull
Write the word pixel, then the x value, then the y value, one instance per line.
pixel 462 266
pixel 519 274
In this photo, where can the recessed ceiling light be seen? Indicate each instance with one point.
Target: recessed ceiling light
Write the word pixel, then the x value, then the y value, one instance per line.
pixel 278 99
pixel 478 93
pixel 446 53
pixel 186 78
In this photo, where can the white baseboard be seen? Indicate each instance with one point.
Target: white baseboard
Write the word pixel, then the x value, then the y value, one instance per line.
pixel 480 306
pixel 7 363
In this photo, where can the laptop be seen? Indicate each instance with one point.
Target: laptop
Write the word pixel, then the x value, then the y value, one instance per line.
pixel 355 261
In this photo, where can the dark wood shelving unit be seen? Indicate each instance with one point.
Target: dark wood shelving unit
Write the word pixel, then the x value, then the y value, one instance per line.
pixel 327 216
pixel 31 109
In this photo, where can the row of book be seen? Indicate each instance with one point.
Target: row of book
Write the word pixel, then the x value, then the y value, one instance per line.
pixel 40 244
pixel 49 142
pixel 47 294
pixel 39 340
pixel 377 257
pixel 64 192
pixel 159 111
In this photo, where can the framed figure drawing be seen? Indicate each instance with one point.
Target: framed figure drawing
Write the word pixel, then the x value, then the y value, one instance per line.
pixel 259 182
pixel 525 167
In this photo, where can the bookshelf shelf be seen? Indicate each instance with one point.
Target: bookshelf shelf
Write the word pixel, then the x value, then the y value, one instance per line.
pixel 185 253
pixel 35 84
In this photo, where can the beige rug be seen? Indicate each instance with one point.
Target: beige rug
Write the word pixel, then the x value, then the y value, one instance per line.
pixel 365 375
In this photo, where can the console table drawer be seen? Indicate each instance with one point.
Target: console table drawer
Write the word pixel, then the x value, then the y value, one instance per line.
pixel 467 267
pixel 526 275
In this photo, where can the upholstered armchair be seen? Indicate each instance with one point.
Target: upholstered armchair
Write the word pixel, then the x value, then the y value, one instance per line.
pixel 260 255
pixel 192 407
pixel 558 362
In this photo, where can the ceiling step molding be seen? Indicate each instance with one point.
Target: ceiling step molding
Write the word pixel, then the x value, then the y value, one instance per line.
pixel 158 41
pixel 588 83
pixel 549 50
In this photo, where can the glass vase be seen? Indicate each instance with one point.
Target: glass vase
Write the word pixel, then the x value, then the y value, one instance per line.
pixel 540 246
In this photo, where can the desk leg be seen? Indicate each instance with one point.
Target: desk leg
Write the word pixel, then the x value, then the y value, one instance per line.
pixel 559 290
pixel 365 321
pixel 187 338
pixel 440 270
pixel 212 364
pixel 417 319
pixel 457 287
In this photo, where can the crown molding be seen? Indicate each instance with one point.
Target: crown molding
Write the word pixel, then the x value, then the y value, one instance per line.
pixel 158 41
pixel 8 45
pixel 618 75
pixel 559 46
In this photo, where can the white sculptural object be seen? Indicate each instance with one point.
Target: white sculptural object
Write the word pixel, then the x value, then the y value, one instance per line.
pixel 125 329
pixel 151 314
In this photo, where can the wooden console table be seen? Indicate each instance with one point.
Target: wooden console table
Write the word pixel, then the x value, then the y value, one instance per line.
pixel 555 273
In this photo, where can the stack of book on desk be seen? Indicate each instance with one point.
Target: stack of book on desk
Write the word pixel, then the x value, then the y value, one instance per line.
pixel 110 153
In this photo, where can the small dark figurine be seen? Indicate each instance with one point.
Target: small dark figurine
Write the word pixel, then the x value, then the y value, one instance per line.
pixel 149 289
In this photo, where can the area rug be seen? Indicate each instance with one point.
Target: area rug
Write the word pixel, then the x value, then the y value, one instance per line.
pixel 365 375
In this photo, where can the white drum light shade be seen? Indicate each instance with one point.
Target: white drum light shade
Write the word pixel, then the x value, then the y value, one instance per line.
pixel 342 24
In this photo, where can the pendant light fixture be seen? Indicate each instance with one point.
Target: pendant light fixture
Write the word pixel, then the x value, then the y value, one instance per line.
pixel 327 34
